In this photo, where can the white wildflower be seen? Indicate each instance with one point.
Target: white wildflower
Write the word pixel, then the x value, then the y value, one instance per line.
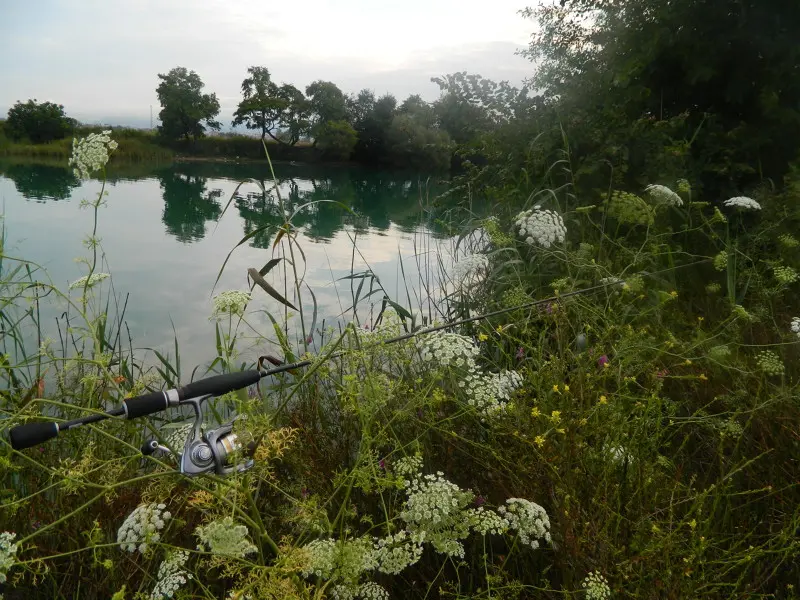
pixel 321 558
pixel 449 350
pixel 411 466
pixel 171 576
pixel 396 552
pixel 489 393
pixel 469 270
pixel 434 508
pixel 540 227
pixel 619 455
pixel 612 281
pixel 93 279
pixel 486 521
pixel 663 195
pixel 529 519
pixel 8 553
pixel 91 153
pixel 785 275
pixel 232 302
pixel 225 537
pixel 142 527
pixel 795 326
pixel 372 591
pixel 176 438
pixel 596 586
pixel 742 202
pixel 344 592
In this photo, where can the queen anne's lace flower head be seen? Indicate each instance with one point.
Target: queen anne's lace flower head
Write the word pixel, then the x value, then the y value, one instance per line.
pixel 770 363
pixel 434 507
pixel 795 326
pixel 449 350
pixel 91 153
pixel 232 302
pixel 540 227
pixel 226 538
pixel 785 275
pixel 142 527
pixel 93 279
pixel 469 270
pixel 396 552
pixel 8 552
pixel 171 576
pixel 663 195
pixel 596 586
pixel 321 558
pixel 488 393
pixel 742 202
pixel 529 519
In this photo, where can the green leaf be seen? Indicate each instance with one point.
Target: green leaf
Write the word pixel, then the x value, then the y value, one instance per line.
pixel 262 283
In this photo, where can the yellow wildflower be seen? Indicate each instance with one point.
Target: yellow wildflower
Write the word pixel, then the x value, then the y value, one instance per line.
pixel 555 416
pixel 674 294
pixel 482 337
pixel 539 440
pixel 535 412
pixel 583 421
pixel 562 430
pixel 603 400
pixel 703 377
pixel 687 362
pixel 566 387
pixel 555 387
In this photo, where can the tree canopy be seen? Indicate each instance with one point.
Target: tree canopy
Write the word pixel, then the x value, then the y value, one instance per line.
pixel 185 110
pixel 267 107
pixel 39 122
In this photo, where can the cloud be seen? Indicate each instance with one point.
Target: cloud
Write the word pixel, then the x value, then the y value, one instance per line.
pixel 101 58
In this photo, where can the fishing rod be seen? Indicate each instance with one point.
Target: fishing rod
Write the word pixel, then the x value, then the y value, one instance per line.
pixel 213 450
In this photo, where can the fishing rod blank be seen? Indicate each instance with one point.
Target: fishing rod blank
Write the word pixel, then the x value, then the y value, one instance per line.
pixel 31 434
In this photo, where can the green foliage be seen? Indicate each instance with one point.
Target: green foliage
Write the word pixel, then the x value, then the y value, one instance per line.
pixel 184 106
pixel 413 144
pixel 38 122
pixel 718 79
pixel 327 103
pixel 621 441
pixel 266 107
pixel 336 139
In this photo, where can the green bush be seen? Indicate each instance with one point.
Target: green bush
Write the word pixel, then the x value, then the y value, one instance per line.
pixel 38 122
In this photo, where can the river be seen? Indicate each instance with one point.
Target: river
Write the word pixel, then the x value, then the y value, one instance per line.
pixel 165 231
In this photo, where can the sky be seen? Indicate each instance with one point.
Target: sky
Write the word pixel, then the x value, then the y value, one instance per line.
pixel 100 58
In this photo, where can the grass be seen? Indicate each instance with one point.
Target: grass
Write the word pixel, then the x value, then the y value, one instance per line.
pixel 648 423
pixel 134 146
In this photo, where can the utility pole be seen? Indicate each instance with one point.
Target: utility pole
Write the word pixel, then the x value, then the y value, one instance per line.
pixel 151 117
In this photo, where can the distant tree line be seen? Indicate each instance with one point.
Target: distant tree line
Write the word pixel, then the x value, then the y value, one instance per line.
pixel 363 127
pixel 360 127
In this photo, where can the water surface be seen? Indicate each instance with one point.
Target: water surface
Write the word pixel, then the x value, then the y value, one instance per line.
pixel 165 233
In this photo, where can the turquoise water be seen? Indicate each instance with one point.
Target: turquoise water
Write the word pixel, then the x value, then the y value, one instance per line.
pixel 165 232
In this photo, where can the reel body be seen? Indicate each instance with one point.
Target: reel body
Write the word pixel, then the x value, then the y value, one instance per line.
pixel 212 451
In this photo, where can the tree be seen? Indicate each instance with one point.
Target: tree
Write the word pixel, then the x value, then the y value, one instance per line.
pixel 722 75
pixel 296 115
pixel 327 103
pixel 184 106
pixel 374 119
pixel 261 107
pixel 360 107
pixel 336 139
pixel 422 112
pixel 410 143
pixel 38 122
pixel 268 108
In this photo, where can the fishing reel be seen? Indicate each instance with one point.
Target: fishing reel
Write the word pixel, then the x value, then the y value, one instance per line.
pixel 211 451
